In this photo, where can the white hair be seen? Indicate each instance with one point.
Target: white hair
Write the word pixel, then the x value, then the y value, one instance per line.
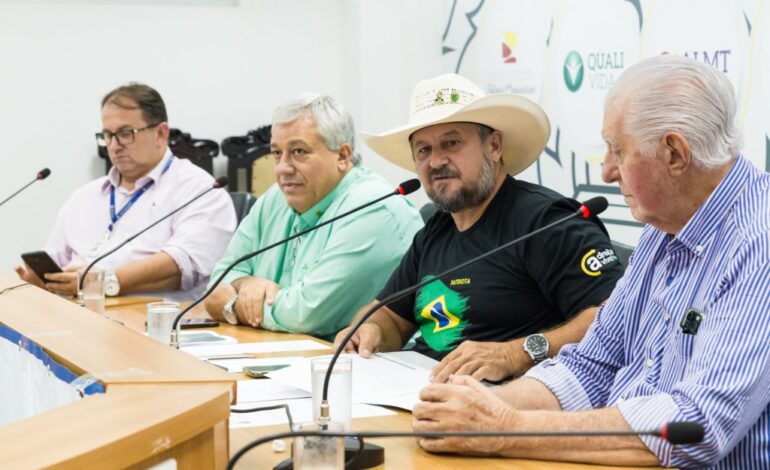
pixel 335 125
pixel 669 93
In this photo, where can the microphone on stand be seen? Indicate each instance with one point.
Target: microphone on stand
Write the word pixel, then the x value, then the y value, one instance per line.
pixel 220 182
pixel 41 175
pixel 676 432
pixel 589 208
pixel 407 187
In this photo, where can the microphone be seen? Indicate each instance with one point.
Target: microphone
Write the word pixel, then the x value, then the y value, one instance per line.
pixel 41 175
pixel 683 432
pixel 220 182
pixel 407 187
pixel 589 208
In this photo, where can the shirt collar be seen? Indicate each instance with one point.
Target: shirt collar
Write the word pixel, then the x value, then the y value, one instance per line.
pixel 311 216
pixel 113 176
pixel 706 221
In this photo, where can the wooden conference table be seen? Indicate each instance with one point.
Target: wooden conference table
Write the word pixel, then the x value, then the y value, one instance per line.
pixel 400 453
pixel 159 402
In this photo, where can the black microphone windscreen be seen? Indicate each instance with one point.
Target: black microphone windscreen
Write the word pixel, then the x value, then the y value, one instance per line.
pixel 682 432
pixel 43 174
pixel 220 182
pixel 594 206
pixel 409 186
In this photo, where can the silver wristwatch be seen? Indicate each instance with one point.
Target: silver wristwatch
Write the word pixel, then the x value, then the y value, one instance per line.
pixel 111 284
pixel 537 347
pixel 229 311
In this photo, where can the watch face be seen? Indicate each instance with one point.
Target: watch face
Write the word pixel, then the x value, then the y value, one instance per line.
pixel 111 288
pixel 537 344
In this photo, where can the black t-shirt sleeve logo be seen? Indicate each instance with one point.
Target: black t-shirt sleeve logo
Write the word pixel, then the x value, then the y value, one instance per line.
pixel 594 261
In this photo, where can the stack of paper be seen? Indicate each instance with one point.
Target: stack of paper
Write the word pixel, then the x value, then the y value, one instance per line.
pixel 392 379
pixel 252 348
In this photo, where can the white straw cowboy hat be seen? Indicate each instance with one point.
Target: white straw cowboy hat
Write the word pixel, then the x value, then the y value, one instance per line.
pixel 452 98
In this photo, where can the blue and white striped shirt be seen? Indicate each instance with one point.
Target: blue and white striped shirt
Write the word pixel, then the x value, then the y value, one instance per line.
pixel 636 357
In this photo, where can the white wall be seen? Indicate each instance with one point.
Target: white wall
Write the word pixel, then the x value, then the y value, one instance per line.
pixel 221 71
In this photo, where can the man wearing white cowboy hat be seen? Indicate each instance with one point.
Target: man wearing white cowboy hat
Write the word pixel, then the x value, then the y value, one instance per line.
pixel 498 317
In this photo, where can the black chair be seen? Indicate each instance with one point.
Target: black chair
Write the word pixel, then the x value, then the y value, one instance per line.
pixel 199 151
pixel 242 202
pixel 241 152
pixel 427 211
pixel 623 251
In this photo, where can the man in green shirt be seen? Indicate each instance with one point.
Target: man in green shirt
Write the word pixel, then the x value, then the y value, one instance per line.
pixel 313 284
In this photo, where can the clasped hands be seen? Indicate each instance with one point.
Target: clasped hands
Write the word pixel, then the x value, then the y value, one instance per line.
pixel 253 292
pixel 462 404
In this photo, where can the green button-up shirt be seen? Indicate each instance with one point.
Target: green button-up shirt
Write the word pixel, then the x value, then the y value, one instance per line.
pixel 327 275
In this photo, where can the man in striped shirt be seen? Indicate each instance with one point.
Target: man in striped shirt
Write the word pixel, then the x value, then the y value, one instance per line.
pixel 684 335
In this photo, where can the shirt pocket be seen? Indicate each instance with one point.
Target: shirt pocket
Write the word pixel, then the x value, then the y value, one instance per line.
pixel 683 344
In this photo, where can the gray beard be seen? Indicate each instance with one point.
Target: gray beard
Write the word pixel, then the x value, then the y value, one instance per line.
pixel 467 196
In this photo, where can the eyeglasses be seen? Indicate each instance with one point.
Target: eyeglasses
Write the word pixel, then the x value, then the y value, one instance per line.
pixel 124 137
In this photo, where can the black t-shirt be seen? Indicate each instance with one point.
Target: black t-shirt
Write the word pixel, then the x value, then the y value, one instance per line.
pixel 525 289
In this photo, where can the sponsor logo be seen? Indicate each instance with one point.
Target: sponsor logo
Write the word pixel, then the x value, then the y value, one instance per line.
pixel 593 261
pixel 716 58
pixel 465 281
pixel 573 71
pixel 509 44
pixel 602 69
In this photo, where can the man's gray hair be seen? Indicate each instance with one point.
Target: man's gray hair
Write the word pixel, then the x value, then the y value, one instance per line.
pixel 669 93
pixel 335 125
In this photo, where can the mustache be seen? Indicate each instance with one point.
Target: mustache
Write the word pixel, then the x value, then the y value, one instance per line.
pixel 443 172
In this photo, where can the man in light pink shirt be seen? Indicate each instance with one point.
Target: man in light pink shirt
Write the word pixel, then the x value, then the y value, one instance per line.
pixel 145 183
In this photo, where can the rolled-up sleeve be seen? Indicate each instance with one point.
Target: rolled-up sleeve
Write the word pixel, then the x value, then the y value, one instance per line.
pixel 726 383
pixel 201 232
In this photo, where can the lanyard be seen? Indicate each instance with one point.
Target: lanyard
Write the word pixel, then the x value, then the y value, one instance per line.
pixel 115 216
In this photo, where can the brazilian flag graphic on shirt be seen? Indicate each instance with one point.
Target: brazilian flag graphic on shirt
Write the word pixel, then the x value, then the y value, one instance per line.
pixel 439 312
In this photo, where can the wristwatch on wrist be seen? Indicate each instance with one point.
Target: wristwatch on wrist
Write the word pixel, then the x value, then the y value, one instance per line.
pixel 111 284
pixel 229 311
pixel 537 347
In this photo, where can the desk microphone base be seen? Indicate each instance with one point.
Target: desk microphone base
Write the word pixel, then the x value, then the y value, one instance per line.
pixel 371 456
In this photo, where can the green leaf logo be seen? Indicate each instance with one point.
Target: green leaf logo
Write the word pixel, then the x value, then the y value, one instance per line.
pixel 573 71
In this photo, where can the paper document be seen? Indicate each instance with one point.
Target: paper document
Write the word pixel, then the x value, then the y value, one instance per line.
pixel 301 412
pixel 393 379
pixel 251 348
pixel 258 390
pixel 204 337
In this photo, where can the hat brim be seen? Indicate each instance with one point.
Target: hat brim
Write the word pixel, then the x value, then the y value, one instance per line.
pixel 524 125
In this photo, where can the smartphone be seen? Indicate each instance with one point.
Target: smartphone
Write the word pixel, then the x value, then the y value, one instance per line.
pixel 260 372
pixel 187 323
pixel 40 263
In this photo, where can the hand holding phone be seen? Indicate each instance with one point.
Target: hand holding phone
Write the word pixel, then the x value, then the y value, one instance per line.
pixel 40 263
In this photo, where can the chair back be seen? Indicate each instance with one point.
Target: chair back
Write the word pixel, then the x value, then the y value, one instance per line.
pixel 242 202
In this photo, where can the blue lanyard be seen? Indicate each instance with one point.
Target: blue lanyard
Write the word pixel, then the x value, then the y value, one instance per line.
pixel 116 216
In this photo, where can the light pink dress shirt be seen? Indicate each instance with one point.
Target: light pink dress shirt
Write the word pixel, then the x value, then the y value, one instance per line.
pixel 194 237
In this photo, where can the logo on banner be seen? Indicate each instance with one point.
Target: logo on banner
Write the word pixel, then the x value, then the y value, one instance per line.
pixel 509 44
pixel 439 312
pixel 717 58
pixel 573 71
pixel 603 68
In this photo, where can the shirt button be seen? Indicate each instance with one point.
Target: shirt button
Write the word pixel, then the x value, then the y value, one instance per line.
pixel 649 362
pixel 666 316
pixel 698 249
